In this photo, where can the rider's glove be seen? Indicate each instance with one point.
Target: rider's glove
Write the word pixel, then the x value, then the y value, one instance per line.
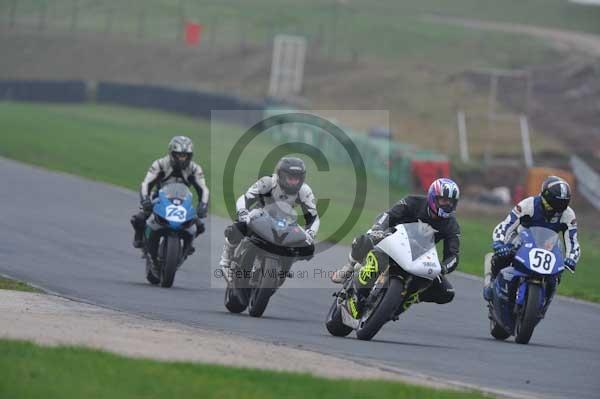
pixel 376 235
pixel 146 204
pixel 449 265
pixel 310 236
pixel 243 216
pixel 501 249
pixel 444 268
pixel 202 210
pixel 570 263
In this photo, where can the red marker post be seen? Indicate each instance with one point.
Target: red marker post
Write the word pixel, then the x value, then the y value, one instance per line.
pixel 193 33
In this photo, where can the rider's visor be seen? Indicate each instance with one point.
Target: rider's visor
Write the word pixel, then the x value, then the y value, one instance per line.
pixel 292 180
pixel 546 205
pixel 181 156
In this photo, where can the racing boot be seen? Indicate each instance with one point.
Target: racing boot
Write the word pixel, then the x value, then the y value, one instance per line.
pixel 138 239
pixel 225 262
pixel 487 277
pixel 341 275
pixel 139 225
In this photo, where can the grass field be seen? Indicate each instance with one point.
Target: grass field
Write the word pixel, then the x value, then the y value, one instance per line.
pixel 80 140
pixel 8 284
pixel 385 28
pixel 31 371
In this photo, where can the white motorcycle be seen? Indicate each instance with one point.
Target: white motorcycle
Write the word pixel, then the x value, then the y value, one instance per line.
pixel 406 263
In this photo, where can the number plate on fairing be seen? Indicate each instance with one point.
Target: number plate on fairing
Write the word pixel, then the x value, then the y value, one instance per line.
pixel 176 213
pixel 541 261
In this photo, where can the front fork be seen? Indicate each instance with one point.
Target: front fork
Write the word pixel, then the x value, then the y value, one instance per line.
pixel 364 287
pixel 548 286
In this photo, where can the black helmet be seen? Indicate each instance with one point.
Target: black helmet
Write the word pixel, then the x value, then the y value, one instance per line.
pixel 181 151
pixel 555 194
pixel 290 173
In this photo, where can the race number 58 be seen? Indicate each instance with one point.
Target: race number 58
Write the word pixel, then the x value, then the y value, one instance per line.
pixel 541 261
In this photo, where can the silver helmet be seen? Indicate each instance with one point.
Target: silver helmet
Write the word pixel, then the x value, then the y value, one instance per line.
pixel 290 172
pixel 181 151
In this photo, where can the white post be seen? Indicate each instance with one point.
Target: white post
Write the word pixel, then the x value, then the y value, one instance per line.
pixel 462 136
pixel 526 141
pixel 287 66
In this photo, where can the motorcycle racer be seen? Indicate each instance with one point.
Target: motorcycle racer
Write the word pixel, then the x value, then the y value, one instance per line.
pixel 176 167
pixel 436 209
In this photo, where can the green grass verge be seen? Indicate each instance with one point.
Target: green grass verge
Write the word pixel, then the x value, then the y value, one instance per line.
pixel 14 285
pixel 31 371
pixel 116 145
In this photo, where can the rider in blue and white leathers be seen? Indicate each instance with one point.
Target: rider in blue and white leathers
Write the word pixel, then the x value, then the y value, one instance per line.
pixel 548 209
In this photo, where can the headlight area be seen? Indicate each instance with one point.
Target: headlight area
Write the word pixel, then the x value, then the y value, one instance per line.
pixel 188 224
pixel 161 221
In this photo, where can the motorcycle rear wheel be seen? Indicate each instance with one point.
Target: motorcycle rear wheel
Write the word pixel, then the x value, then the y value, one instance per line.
pixel 334 323
pixel 232 303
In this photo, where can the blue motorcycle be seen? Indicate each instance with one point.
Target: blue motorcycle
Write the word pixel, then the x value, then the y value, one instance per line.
pixel 169 233
pixel 522 292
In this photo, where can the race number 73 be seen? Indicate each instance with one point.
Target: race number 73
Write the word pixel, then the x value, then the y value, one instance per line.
pixel 541 261
pixel 175 213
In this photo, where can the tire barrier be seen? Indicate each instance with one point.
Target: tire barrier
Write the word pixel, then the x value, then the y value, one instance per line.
pixel 187 102
pixel 68 91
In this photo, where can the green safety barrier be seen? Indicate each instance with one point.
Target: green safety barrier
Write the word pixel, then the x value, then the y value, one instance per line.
pixel 385 159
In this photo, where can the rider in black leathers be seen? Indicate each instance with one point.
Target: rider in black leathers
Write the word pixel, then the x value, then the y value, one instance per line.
pixel 437 210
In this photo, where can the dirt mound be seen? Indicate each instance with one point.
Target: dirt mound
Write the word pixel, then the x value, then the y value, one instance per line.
pixel 564 103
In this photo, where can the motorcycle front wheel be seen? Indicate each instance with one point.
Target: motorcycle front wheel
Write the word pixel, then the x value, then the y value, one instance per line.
pixel 171 260
pixel 268 283
pixel 382 311
pixel 530 315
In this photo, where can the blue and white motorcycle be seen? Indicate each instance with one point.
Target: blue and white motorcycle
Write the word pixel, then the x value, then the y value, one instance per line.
pixel 522 292
pixel 169 233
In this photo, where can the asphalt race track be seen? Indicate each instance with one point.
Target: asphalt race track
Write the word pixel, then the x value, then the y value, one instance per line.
pixel 73 237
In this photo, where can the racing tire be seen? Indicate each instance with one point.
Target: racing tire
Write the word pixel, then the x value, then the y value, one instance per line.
pixel 259 298
pixel 383 312
pixel 334 323
pixel 171 261
pixel 232 302
pixel 530 315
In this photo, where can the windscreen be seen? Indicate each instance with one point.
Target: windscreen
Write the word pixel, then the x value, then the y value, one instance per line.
pixel 176 190
pixel 421 237
pixel 281 212
pixel 545 238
